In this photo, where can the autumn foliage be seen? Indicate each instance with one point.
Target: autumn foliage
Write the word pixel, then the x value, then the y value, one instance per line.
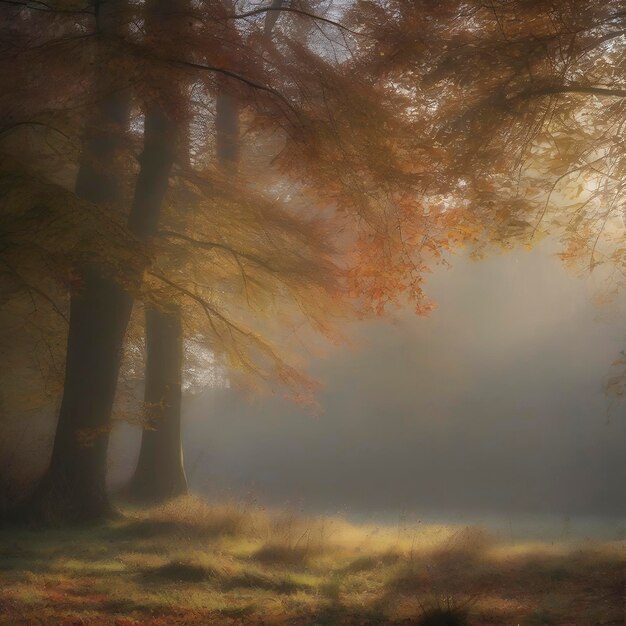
pixel 375 138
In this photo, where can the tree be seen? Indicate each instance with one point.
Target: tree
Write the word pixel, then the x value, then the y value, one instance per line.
pixel 160 473
pixel 73 487
pixel 521 106
pixel 74 484
pixel 323 216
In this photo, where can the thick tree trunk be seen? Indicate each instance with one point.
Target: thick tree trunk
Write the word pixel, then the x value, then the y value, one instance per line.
pixel 160 475
pixel 73 489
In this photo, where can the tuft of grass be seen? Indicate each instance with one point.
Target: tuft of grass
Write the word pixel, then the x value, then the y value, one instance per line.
pixel 250 579
pixel 370 562
pixel 540 617
pixel 179 571
pixel 189 517
pixel 279 554
pixel 443 617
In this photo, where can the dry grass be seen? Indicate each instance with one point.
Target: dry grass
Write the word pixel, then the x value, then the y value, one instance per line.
pixel 193 564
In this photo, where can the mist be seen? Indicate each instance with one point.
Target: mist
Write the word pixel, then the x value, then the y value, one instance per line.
pixel 493 407
pixel 312 312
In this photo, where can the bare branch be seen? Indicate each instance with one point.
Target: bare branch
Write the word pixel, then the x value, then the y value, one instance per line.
pixel 564 89
pixel 231 74
pixel 37 5
pixel 313 16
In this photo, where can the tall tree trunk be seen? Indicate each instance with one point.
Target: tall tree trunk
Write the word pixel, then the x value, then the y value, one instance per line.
pixel 73 489
pixel 73 486
pixel 160 475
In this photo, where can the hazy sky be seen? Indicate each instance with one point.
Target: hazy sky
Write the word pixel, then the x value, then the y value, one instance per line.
pixel 493 404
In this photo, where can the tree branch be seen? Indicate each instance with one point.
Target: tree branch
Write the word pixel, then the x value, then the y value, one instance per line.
pixel 210 311
pixel 209 245
pixel 37 5
pixel 579 89
pixel 231 74
pixel 319 18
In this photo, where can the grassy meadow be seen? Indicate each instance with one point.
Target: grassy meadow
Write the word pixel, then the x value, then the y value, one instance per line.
pixel 199 564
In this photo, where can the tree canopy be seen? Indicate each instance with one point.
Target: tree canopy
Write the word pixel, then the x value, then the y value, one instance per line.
pixel 373 139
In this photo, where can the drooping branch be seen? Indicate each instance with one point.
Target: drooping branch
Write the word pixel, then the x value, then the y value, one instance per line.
pixel 212 314
pixel 37 5
pixel 572 89
pixel 235 75
pixel 209 245
pixel 33 289
pixel 285 9
pixel 139 51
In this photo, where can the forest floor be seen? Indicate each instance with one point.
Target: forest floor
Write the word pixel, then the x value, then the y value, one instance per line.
pixel 193 564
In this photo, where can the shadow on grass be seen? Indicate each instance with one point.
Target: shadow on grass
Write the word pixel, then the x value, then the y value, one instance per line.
pixel 179 571
pixel 186 572
pixel 253 580
pixel 283 555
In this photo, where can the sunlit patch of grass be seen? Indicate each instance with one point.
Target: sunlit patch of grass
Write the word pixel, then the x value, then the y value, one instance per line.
pixel 193 517
pixel 136 561
pixel 26 595
pixel 88 566
pixel 240 547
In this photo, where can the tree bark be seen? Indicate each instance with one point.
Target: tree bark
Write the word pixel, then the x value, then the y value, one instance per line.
pixel 226 129
pixel 160 474
pixel 73 490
